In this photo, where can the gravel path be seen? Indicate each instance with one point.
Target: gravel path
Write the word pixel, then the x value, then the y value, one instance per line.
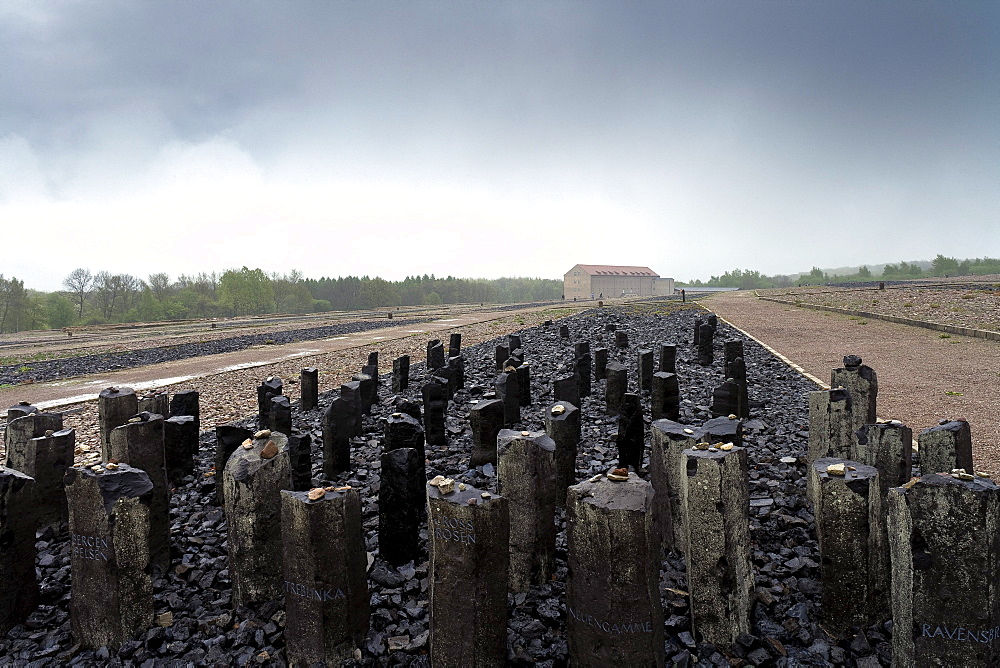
pixel 922 377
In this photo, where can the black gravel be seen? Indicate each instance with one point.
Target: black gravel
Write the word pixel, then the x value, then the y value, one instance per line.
pixel 205 630
pixel 104 362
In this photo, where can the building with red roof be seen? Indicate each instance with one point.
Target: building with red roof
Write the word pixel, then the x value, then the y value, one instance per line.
pixel 602 281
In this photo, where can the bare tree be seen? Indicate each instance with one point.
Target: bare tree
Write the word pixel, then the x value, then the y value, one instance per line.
pixel 79 282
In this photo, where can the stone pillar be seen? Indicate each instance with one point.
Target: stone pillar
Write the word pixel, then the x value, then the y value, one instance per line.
pixel 254 478
pixel 715 495
pixel 524 385
pixel 563 331
pixel 403 431
pixel 367 389
pixel 726 398
pixel 527 475
pixel 401 373
pixel 731 349
pixel 849 525
pixel 567 388
pixel 327 605
pixel 584 370
pixel 351 393
pixel 614 616
pixel 830 432
pixel 454 344
pixel 562 424
pixel 861 382
pixel 468 533
pixel 665 399
pixel 888 446
pixel 400 499
pixel 411 408
pixel 435 405
pixel 371 370
pixel 338 429
pixel 17 437
pixel 271 387
pixel 20 409
pixel 668 358
pixel 723 429
pixel 621 339
pixel 115 406
pixel 112 590
pixel 185 402
pixel 156 401
pixel 615 387
pixel 610 327
pixel 457 366
pixel 308 388
pixel 445 376
pixel 486 420
pixel 373 361
pixel 19 517
pixel 631 433
pixel 46 460
pixel 945 447
pixel 500 356
pixel 645 370
pixel 300 459
pixel 600 363
pixel 180 445
pixel 280 415
pixel 669 440
pixel 943 542
pixel 738 372
pixel 508 393
pixel 227 439
pixel 706 341
pixel 139 443
pixel 435 354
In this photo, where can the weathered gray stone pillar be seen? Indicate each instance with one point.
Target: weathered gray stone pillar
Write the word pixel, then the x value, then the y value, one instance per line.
pixel 486 419
pixel 526 471
pixel 468 533
pixel 351 393
pixel 830 432
pixel 180 445
pixel 20 409
pixel 367 388
pixel 401 373
pixel 271 387
pixel 338 428
pixel 669 440
pixel 186 402
pixel 435 404
pixel 583 368
pixel 888 446
pixel 400 500
pixel 254 477
pixel 668 358
pixel 943 542
pixel 508 393
pixel 115 405
pixel 945 447
pixel 645 376
pixel 18 521
pixel 155 401
pixel 454 344
pixel 139 443
pixel 562 424
pixel 850 527
pixel 715 494
pixel 665 399
pixel 46 460
pixel 435 354
pixel 327 606
pixel 631 433
pixel 614 616
pixel 600 363
pixel 17 437
pixel 112 593
pixel 567 388
pixel 308 388
pixel 615 387
pixel 861 382
pixel 706 345
pixel 524 385
pixel 227 439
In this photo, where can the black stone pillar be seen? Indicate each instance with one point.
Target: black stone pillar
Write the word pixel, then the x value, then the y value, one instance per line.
pixel 508 392
pixel 706 345
pixel 180 445
pixel 186 402
pixel 308 388
pixel 721 430
pixel 562 424
pixel 18 520
pixel 631 432
pixel 20 409
pixel 500 356
pixel 738 372
pixel 567 388
pixel 615 387
pixel 227 439
pixel 338 429
pixel 351 393
pixel 46 460
pixel 17 437
pixel 726 398
pixel 454 344
pixel 402 431
pixel 411 408
pixel 668 358
pixel 327 605
pixel 401 373
pixel 280 415
pixel 563 331
pixel 369 390
pixel 584 369
pixel 621 339
pixel 155 401
pixel 400 499
pixel 435 405
pixel 697 331
pixel 112 592
pixel 115 405
pixel 645 370
pixel 457 367
pixel 435 354
pixel 300 459
pixel 732 349
pixel 600 363
pixel 524 385
pixel 271 387
pixel 486 419
pixel 665 398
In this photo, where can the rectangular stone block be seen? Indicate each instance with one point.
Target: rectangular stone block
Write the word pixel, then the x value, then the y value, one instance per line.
pixel 645 376
pixel 308 388
pixel 669 440
pixel 562 424
pixel 945 447
pixel 115 405
pixel 615 387
pixel 861 382
pixel 668 358
pixel 18 521
pixel 46 460
pixel 401 373
pixel 486 419
pixel 830 424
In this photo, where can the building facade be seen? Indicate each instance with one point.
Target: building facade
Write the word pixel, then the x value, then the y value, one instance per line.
pixel 602 281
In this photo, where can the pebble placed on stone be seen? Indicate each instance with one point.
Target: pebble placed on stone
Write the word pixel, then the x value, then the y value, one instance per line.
pixel 317 493
pixel 446 486
pixel 837 469
pixel 263 433
pixel 270 450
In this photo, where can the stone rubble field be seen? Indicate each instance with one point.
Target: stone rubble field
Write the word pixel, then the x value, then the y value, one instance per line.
pixel 196 625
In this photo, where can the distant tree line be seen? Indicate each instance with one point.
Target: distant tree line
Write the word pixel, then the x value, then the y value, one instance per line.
pixel 103 297
pixel 940 266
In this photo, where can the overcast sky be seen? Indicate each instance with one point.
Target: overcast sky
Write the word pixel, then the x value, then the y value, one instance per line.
pixel 495 138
